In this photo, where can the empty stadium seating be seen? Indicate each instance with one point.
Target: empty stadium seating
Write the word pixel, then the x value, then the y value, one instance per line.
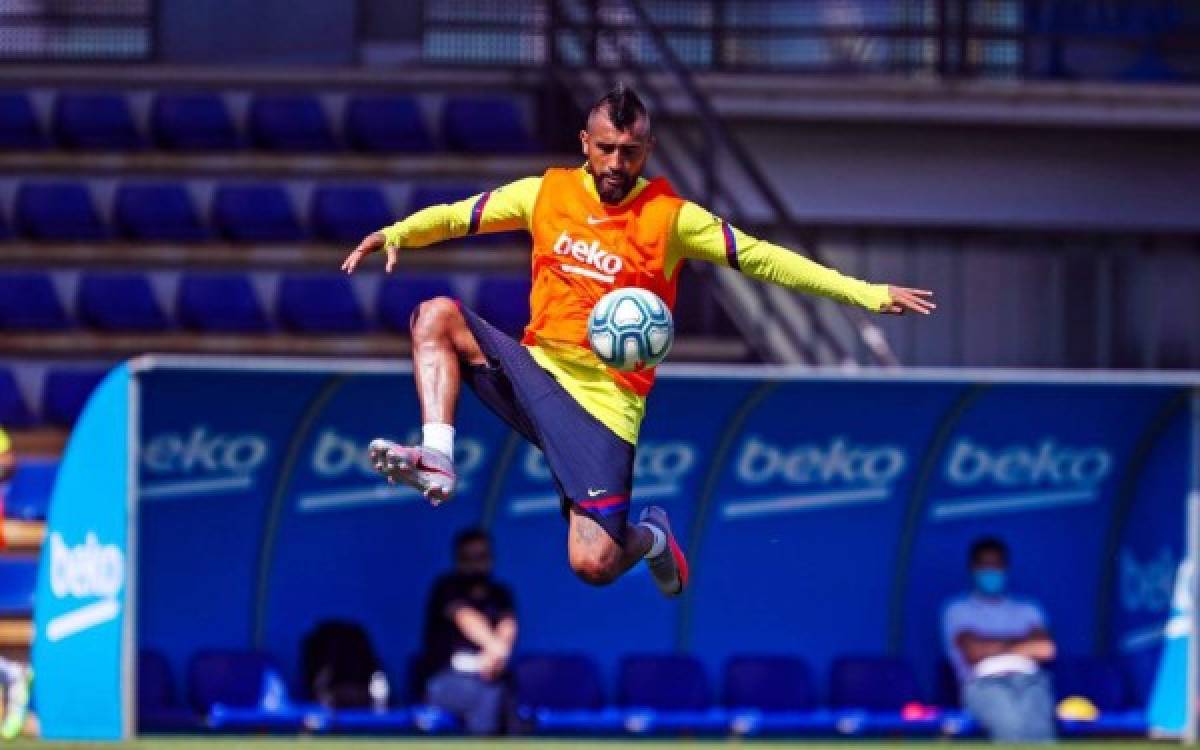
pixel 256 212
pixel 29 302
pixel 19 127
pixel 18 579
pixel 398 298
pixel 387 124
pixel 485 125
pixel 290 123
pixel 876 683
pixel 193 122
pixel 768 683
pixel 219 303
pixel 347 213
pixel 14 413
pixel 58 211
pixel 558 682
pixel 28 497
pixel 158 706
pixel 95 121
pixel 504 302
pixel 319 304
pixel 65 392
pixel 160 211
pixel 119 302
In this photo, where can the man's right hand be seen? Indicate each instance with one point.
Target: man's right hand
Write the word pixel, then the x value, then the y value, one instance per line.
pixel 371 243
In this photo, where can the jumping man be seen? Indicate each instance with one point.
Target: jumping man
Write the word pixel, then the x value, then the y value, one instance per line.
pixel 595 228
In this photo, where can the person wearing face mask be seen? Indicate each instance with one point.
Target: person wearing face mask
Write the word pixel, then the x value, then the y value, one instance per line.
pixel 470 629
pixel 997 644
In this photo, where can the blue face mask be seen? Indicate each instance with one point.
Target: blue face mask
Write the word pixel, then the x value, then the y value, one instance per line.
pixel 991 581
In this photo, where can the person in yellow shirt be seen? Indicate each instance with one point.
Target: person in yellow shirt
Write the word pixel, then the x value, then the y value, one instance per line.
pixel 594 228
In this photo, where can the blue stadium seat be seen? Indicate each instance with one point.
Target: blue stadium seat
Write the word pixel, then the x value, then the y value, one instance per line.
pixel 872 683
pixel 1099 680
pixel 485 125
pixel 768 683
pixel 504 302
pixel 58 212
pixel 158 707
pixel 159 211
pixel 65 392
pixel 18 579
pixel 424 196
pixel 219 303
pixel 558 681
pixel 28 302
pixel 290 123
pixel 347 213
pixel 319 303
pixel 99 121
pixel 399 297
pixel 13 411
pixel 19 127
pixel 119 302
pixel 668 682
pixel 387 123
pixel 193 122
pixel 32 485
pixel 256 213
pixel 241 691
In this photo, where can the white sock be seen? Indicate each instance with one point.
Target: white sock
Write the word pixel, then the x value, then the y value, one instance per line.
pixel 438 436
pixel 660 540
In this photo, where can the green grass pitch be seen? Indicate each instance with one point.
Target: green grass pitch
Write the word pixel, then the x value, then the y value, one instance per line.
pixel 258 743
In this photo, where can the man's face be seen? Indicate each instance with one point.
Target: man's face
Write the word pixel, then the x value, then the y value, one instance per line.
pixel 615 157
pixel 474 558
pixel 990 572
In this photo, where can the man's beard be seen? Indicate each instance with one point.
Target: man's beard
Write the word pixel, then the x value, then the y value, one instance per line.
pixel 613 191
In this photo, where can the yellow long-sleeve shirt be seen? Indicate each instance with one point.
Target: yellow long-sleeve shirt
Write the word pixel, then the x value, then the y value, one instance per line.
pixel 697 234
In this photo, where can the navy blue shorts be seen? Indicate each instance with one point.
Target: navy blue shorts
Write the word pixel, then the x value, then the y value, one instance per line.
pixel 592 467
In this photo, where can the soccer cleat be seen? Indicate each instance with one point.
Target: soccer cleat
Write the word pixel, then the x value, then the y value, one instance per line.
pixel 429 471
pixel 16 704
pixel 669 568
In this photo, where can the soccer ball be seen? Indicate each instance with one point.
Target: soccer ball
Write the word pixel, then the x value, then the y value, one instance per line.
pixel 631 329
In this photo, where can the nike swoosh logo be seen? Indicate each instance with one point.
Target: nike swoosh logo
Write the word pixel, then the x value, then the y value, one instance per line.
pixel 596 493
pixel 593 221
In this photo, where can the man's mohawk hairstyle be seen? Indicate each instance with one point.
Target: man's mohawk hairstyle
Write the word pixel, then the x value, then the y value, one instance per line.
pixel 622 106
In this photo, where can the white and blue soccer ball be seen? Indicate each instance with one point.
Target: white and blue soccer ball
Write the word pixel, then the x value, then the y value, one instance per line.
pixel 631 329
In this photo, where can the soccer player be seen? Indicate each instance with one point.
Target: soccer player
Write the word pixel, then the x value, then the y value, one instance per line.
pixel 594 228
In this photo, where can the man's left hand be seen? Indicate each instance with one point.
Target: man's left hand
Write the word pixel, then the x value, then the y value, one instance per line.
pixel 903 299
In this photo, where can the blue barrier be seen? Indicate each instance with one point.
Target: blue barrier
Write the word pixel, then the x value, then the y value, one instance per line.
pixel 258 516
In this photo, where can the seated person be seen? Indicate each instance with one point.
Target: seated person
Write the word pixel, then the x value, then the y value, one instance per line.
pixel 470 628
pixel 997 644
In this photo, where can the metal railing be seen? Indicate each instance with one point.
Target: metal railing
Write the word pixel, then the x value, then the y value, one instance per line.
pixel 1102 39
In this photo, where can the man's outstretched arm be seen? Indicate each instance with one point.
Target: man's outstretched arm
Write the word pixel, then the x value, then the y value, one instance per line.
pixel 701 236
pixel 501 210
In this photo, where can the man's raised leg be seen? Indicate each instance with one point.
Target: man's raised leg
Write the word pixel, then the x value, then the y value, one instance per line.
pixel 597 558
pixel 441 342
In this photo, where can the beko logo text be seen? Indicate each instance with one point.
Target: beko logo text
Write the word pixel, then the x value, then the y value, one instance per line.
pixel 838 462
pixel 835 473
pixel 1047 463
pixel 603 265
pixel 336 456
pixel 85 571
pixel 201 462
pixel 1023 477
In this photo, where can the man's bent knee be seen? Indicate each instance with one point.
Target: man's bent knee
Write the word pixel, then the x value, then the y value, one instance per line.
pixel 598 565
pixel 435 318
